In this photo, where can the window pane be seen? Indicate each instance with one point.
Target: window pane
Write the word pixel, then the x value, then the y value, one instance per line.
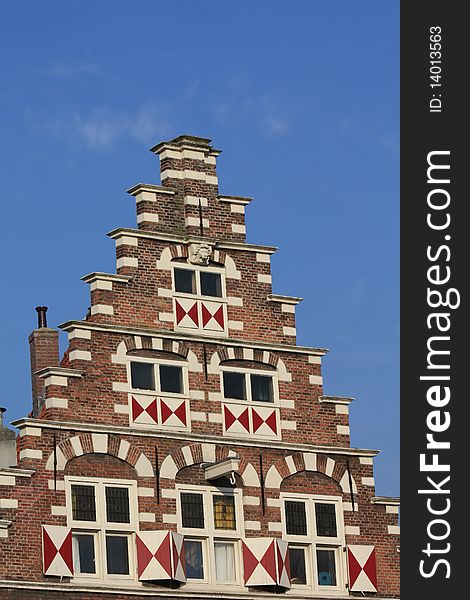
pixel 211 284
pixel 171 379
pixel 83 547
pixel 234 386
pixel 83 503
pixel 117 505
pixel 142 376
pixel 296 521
pixel 326 567
pixel 224 512
pixel 224 561
pixel 117 555
pixel 298 574
pixel 185 281
pixel 261 388
pixel 194 560
pixel 325 516
pixel 192 510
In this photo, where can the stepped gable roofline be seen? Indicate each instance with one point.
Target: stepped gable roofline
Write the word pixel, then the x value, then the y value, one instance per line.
pixel 284 299
pixel 387 500
pixel 168 237
pixel 149 187
pixel 61 371
pixel 243 200
pixel 336 399
pixel 191 142
pixel 216 439
pixel 164 333
pixel 90 277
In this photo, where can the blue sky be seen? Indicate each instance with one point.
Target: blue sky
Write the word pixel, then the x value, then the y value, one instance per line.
pixel 303 99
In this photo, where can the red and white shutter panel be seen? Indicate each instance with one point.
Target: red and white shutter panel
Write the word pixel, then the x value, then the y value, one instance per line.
pixel 265 421
pixel 186 313
pixel 178 557
pixel 143 409
pixel 362 569
pixel 283 563
pixel 160 556
pixel 212 316
pixel 259 561
pixel 57 556
pixel 236 418
pixel 174 413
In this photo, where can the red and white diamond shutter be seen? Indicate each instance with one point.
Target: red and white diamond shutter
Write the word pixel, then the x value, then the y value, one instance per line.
pixel 283 563
pixel 265 421
pixel 173 413
pixel 160 556
pixel 186 313
pixel 362 569
pixel 236 418
pixel 212 316
pixel 265 562
pixel 143 409
pixel 57 556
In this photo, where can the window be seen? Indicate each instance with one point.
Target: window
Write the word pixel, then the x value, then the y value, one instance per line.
pixel 101 515
pixel 160 378
pixel 212 524
pixel 314 530
pixel 248 385
pixel 201 283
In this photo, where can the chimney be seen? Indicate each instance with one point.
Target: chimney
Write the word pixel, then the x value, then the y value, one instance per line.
pixel 44 352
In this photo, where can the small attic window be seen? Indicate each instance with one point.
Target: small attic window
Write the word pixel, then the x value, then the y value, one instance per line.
pixel 142 376
pixel 205 283
pixel 185 281
pixel 211 284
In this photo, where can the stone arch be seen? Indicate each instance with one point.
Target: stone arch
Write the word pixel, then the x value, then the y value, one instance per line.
pixel 258 355
pixel 100 443
pixel 144 342
pixel 308 461
pixel 194 454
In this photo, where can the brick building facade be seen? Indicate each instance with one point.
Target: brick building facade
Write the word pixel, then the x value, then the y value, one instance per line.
pixel 183 446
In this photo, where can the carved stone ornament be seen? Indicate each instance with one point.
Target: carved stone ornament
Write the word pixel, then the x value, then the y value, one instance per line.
pixel 199 254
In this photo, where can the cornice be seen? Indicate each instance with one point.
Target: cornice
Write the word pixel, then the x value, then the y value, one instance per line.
pixel 190 437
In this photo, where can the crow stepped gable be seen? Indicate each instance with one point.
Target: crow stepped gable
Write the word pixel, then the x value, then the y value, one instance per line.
pixel 183 445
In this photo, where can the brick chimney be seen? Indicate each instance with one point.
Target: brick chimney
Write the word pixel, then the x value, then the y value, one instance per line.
pixel 44 352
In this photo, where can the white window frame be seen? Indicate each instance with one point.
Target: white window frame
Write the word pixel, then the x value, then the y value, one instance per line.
pixel 209 535
pixel 101 528
pixel 182 363
pixel 247 371
pixel 196 269
pixel 311 542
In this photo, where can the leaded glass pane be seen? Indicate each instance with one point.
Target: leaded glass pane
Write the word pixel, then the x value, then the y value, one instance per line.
pixel 325 516
pixel 296 520
pixel 224 512
pixel 192 510
pixel 83 503
pixel 117 505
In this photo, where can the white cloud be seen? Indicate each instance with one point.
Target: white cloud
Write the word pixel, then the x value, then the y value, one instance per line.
pixel 103 128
